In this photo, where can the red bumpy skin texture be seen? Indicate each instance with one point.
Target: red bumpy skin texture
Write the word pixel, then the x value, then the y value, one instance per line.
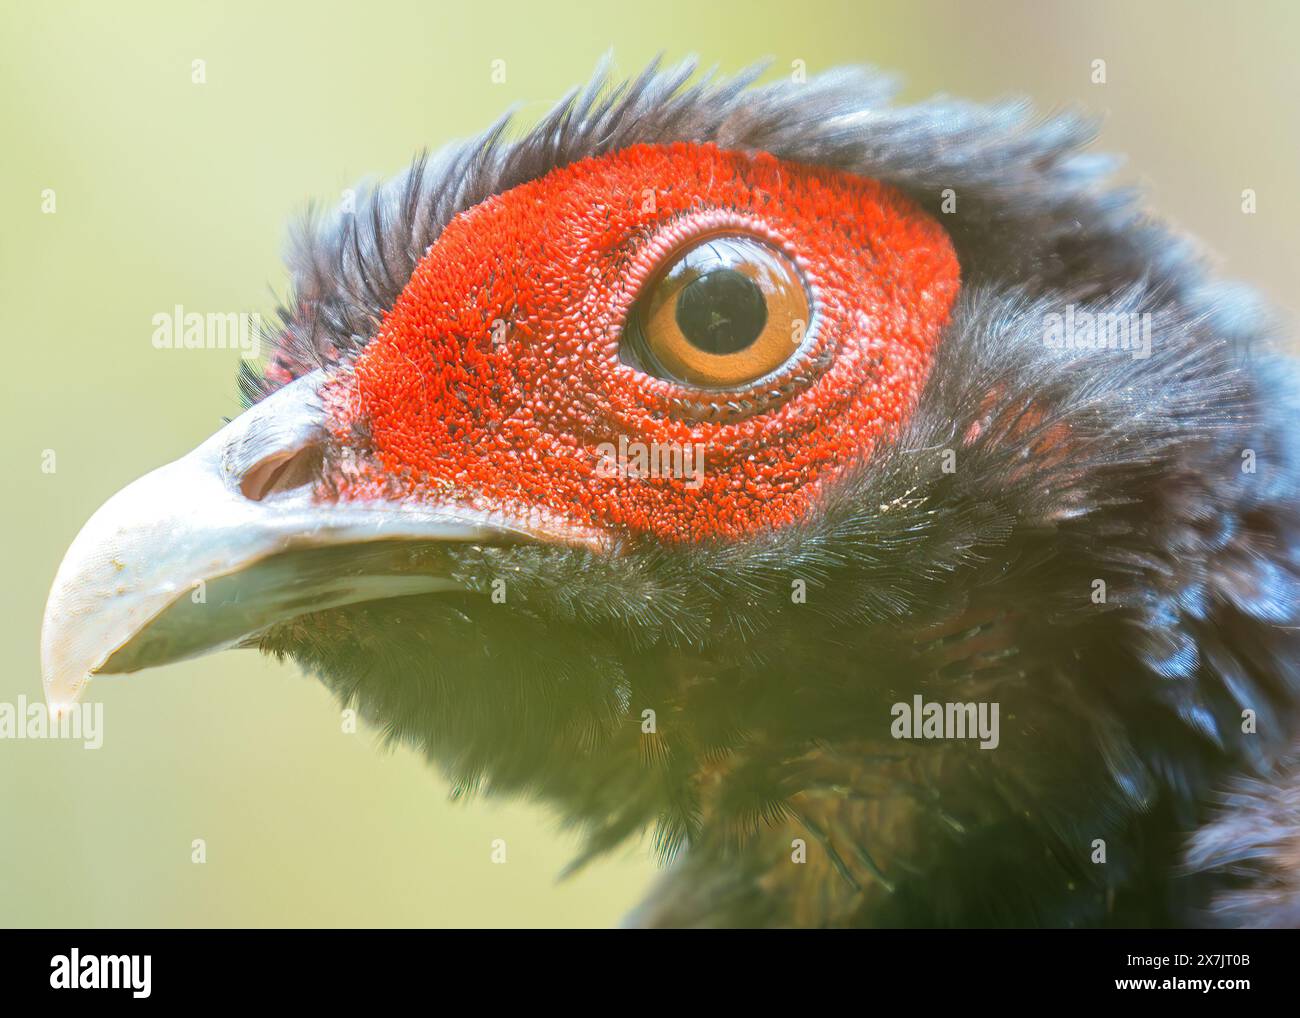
pixel 496 377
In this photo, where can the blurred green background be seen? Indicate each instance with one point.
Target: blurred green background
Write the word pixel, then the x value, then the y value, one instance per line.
pixel 171 193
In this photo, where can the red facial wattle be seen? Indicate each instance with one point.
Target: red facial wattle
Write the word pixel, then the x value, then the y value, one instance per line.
pixel 496 378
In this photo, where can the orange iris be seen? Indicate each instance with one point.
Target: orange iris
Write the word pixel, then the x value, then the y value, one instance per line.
pixel 725 312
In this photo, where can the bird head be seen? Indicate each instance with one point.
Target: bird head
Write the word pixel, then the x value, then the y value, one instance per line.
pixel 638 460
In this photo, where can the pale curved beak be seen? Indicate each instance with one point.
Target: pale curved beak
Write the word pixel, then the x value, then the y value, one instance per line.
pixel 208 551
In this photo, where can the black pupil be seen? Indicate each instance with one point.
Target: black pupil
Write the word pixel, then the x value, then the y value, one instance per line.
pixel 721 312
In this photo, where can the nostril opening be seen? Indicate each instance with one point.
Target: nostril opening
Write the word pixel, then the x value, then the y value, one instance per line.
pixel 281 471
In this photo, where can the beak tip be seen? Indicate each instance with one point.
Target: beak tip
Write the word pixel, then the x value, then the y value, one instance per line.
pixel 62 683
pixel 73 646
pixel 58 708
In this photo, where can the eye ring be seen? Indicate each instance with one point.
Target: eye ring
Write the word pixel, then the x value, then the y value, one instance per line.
pixel 723 311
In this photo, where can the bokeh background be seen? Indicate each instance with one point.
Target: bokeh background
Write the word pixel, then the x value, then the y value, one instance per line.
pixel 171 193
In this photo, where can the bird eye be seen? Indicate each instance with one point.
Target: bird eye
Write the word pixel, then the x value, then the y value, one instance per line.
pixel 723 313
